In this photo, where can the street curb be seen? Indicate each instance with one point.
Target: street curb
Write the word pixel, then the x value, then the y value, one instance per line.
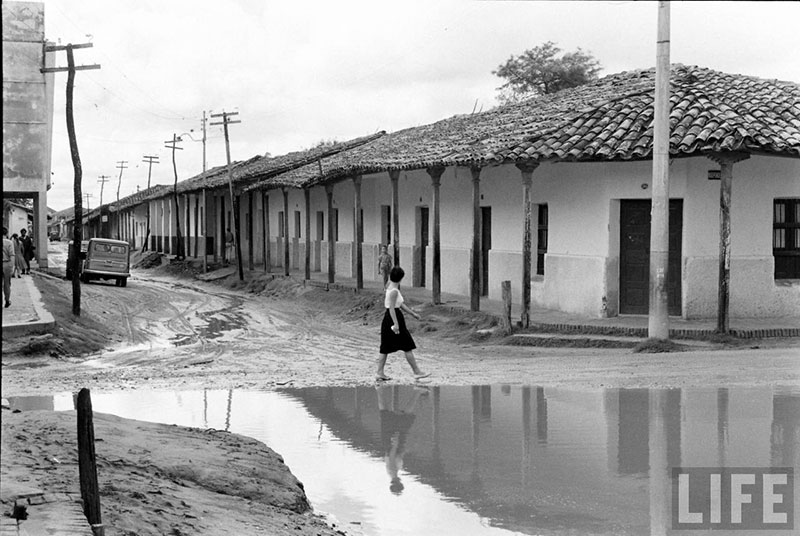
pixel 45 323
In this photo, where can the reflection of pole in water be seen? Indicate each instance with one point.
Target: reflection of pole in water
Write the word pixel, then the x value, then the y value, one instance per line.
pixel 659 470
pixel 228 414
pixel 437 395
pixel 722 425
pixel 541 416
pixel 476 423
pixel 526 433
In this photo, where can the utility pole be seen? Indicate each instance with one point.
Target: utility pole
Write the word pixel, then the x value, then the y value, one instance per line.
pixel 102 180
pixel 76 161
pixel 658 326
pixel 150 159
pixel 88 210
pixel 234 200
pixel 120 166
pixel 174 146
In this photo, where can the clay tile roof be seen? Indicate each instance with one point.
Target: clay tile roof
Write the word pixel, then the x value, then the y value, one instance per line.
pixel 260 168
pixel 610 119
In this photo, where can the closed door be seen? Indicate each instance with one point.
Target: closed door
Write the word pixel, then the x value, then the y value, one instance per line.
pixel 634 270
pixel 486 245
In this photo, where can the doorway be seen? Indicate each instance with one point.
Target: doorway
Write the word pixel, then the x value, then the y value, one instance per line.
pixel 486 245
pixel 634 257
pixel 422 240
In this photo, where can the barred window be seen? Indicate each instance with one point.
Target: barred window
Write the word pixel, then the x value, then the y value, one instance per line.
pixel 786 238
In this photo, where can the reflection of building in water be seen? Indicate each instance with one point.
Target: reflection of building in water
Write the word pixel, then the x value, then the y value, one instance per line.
pixel 785 431
pixel 553 460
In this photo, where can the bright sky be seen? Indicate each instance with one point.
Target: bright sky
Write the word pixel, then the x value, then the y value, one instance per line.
pixel 301 72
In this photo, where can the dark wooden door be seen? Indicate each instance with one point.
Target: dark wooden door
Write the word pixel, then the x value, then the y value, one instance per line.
pixel 486 245
pixel 634 269
pixel 422 241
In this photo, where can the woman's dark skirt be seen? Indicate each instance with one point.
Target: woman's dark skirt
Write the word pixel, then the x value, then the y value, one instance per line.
pixel 395 342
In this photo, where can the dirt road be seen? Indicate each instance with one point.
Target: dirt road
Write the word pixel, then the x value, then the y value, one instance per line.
pixel 169 333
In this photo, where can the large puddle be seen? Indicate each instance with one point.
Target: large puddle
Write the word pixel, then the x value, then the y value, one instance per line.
pixel 488 460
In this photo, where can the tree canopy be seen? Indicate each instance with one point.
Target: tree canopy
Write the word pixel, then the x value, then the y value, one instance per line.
pixel 540 71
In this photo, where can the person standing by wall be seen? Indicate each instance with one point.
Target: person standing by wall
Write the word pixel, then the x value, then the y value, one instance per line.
pixel 384 265
pixel 8 266
pixel 19 262
pixel 27 249
pixel 229 255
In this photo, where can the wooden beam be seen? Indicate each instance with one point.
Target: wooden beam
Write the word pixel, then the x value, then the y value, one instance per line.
pixel 307 197
pixel 250 232
pixel 394 176
pixel 331 243
pixel 475 254
pixel 726 161
pixel 527 169
pixel 267 255
pixel 359 234
pixel 436 270
pixel 205 231
pixel 286 260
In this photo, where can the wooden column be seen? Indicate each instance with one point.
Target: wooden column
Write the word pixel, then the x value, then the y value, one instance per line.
pixel 221 241
pixel 394 175
pixel 331 243
pixel 196 225
pixel 359 233
pixel 475 254
pixel 307 197
pixel 286 259
pixel 188 202
pixel 250 230
pixel 267 256
pixel 205 231
pixel 726 161
pixel 436 270
pixel 527 169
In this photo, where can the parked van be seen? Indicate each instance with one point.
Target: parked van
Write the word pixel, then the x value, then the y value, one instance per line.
pixel 103 258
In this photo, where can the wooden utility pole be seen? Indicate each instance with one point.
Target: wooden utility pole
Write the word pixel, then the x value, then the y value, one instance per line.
pixel 88 196
pixel 150 159
pixel 659 212
pixel 120 166
pixel 174 146
pixel 103 225
pixel 359 232
pixel 76 161
pixel 234 200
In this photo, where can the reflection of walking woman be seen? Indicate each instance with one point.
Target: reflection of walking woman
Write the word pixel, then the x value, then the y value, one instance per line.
pixel 394 333
pixel 395 426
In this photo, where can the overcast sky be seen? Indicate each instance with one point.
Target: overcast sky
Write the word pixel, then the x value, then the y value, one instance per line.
pixel 301 72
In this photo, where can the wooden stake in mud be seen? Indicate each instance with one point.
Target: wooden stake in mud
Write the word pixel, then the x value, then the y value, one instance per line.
pixel 76 163
pixel 87 466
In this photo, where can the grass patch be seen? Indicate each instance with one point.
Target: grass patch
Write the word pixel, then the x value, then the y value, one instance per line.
pixel 658 346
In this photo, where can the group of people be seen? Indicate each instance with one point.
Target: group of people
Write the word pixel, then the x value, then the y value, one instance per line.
pixel 17 255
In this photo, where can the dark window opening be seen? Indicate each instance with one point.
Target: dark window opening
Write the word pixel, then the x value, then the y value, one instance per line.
pixel 541 238
pixel 786 238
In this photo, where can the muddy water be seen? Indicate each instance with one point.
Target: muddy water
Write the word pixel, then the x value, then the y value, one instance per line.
pixel 485 460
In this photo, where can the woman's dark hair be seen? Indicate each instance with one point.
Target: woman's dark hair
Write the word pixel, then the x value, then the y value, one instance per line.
pixel 396 275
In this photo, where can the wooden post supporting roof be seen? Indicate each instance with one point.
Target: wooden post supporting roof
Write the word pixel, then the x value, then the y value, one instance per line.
pixel 726 161
pixel 265 206
pixel 436 275
pixel 527 169
pixel 331 243
pixel 286 260
pixel 475 254
pixel 205 231
pixel 250 232
pixel 394 175
pixel 307 263
pixel 359 233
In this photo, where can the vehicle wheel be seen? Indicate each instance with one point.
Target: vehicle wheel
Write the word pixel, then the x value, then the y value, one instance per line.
pixel 123 282
pixel 118 282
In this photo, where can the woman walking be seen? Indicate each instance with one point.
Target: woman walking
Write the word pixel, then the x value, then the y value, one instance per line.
pixel 394 334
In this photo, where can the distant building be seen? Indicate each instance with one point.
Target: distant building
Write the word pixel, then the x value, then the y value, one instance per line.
pixel 27 114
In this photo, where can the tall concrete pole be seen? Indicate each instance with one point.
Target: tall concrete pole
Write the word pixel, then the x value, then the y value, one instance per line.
pixel 658 327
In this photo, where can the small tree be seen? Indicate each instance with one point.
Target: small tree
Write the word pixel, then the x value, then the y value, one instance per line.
pixel 540 71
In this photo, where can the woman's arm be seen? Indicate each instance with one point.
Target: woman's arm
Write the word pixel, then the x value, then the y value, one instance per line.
pixel 392 304
pixel 410 311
